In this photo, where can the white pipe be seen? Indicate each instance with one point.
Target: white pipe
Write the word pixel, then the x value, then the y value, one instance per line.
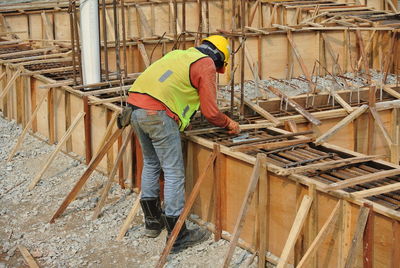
pixel 90 41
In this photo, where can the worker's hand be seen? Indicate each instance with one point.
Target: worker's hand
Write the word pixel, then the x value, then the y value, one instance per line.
pixel 233 127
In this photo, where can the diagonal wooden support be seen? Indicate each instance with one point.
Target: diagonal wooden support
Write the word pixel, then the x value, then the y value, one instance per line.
pixel 294 233
pixel 360 227
pixel 301 62
pixel 382 128
pixel 343 103
pixel 366 49
pixel 143 52
pixel 323 233
pixel 363 179
pixel 67 134
pixel 128 221
pixel 295 105
pixel 391 91
pixel 344 122
pixel 363 55
pixel 244 208
pixel 106 135
pixel 185 212
pixel 114 170
pixel 27 257
pixel 81 182
pixel 10 83
pixel 256 108
pixel 28 125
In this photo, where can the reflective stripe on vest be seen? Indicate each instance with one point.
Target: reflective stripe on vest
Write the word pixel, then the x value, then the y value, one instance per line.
pixel 168 80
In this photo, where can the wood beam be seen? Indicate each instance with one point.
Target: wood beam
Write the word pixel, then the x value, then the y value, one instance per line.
pixel 181 220
pixel 81 182
pixel 244 208
pixel 323 233
pixel 326 165
pixel 295 105
pixel 377 191
pixel 363 179
pixel 344 122
pixel 294 233
pixel 358 235
pixel 58 148
pixel 128 221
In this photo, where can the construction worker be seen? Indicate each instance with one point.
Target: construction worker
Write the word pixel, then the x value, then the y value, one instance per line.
pixel 164 98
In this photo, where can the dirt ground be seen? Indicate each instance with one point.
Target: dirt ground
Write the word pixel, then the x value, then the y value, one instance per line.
pixel 75 240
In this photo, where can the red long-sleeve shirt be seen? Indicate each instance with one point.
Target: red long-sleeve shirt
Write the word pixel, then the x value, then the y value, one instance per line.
pixel 202 76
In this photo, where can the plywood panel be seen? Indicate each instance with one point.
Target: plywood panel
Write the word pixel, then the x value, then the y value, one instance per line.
pixel 59 113
pixel 78 135
pixel 18 23
pixel 62 27
pixel 42 115
pixel 98 127
pixel 275 55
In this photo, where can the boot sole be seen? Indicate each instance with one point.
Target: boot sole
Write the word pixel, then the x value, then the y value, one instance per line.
pixel 188 245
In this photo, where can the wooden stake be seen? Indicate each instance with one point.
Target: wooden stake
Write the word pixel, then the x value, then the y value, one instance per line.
pixel 263 211
pixel 396 244
pixel 108 185
pixel 344 122
pixel 27 257
pixel 295 230
pixel 185 212
pixel 81 182
pixel 129 219
pixel 58 148
pixel 217 193
pixel 312 221
pixel 360 226
pixel 323 233
pixel 9 84
pixel 88 129
pixel 368 239
pixel 28 125
pixel 243 210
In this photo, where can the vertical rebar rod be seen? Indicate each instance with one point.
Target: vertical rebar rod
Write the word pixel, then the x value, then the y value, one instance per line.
pixel 77 41
pixel 184 23
pixel 242 19
pixel 98 20
pixel 117 45
pixel 71 24
pixel 124 38
pixel 104 22
pixel 233 57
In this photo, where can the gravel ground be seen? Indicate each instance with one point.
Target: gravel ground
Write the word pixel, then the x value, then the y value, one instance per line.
pixel 75 240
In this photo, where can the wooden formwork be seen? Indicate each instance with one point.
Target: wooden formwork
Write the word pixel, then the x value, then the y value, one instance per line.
pixel 282 199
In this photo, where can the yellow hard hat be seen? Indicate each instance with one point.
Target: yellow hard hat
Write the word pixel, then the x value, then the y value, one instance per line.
pixel 221 43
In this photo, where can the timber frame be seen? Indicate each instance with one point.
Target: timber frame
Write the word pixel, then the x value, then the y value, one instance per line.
pixel 315 201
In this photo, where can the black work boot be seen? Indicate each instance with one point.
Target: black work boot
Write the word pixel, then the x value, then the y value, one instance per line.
pixel 152 216
pixel 186 238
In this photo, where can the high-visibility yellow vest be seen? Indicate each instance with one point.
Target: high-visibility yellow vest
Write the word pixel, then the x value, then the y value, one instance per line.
pixel 168 80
